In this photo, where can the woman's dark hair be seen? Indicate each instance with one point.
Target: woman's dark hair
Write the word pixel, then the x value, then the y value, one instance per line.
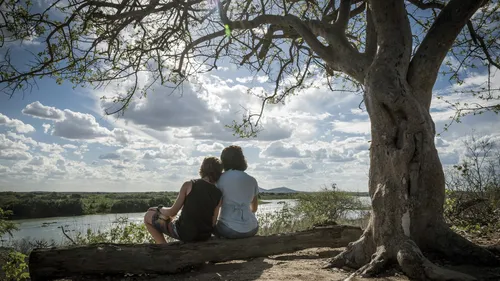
pixel 233 159
pixel 211 167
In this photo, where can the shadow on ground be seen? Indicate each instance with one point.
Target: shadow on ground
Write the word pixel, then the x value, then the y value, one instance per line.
pixel 232 270
pixel 302 265
pixel 320 254
pixel 224 271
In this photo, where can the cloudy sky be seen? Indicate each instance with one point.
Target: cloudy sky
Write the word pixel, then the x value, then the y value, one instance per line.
pixel 57 138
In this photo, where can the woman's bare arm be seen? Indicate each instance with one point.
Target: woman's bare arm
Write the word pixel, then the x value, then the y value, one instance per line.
pixel 255 204
pixel 216 213
pixel 179 202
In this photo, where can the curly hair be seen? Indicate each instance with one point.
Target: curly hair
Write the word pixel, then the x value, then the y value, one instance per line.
pixel 211 167
pixel 233 159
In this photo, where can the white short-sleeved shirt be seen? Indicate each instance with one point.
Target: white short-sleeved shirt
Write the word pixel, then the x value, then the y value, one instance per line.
pixel 238 190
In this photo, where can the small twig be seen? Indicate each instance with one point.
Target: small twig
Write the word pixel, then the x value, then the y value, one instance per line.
pixel 72 241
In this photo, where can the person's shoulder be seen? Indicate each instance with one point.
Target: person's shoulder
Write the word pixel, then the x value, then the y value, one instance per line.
pixel 188 183
pixel 224 174
pixel 235 175
pixel 186 187
pixel 215 189
pixel 250 177
pixel 230 174
pixel 218 191
pixel 239 173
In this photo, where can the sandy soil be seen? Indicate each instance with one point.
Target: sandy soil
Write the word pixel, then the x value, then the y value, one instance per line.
pixel 301 265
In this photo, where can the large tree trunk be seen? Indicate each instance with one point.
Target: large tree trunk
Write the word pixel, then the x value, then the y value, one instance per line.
pixel 47 264
pixel 406 180
pixel 406 185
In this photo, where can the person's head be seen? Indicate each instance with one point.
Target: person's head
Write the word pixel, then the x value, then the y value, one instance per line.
pixel 211 168
pixel 233 159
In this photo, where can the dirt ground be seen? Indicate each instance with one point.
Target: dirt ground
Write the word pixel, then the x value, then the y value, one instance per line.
pixel 301 265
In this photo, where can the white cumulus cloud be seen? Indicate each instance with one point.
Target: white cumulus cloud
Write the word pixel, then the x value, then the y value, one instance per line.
pixel 18 125
pixel 38 110
pixel 281 150
pixel 14 155
pixel 79 126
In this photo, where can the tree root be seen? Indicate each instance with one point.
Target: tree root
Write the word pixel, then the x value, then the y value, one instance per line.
pixel 356 255
pixel 407 254
pixel 417 267
pixel 460 250
pixel 378 263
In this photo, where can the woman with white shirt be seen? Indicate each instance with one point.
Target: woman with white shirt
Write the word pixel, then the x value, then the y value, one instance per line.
pixel 239 197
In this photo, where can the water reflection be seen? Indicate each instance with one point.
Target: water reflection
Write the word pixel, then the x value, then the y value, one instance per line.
pixel 51 228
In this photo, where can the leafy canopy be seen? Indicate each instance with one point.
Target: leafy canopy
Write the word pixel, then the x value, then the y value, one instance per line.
pixel 97 42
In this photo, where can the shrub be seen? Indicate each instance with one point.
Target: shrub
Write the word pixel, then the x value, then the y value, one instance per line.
pixel 15 267
pixel 282 221
pixel 123 232
pixel 473 187
pixel 25 245
pixel 328 205
pixel 6 227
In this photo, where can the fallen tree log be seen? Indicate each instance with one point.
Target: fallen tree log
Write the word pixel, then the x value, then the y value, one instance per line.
pixel 112 259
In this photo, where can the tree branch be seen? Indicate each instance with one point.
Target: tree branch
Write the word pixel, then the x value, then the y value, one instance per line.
pixel 194 44
pixel 69 238
pixel 424 67
pixel 343 14
pixel 371 36
pixel 429 5
pixel 358 10
pixel 394 35
pixel 330 17
pixel 339 54
pixel 480 41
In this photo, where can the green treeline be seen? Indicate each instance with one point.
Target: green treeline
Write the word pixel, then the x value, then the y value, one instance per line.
pixel 54 204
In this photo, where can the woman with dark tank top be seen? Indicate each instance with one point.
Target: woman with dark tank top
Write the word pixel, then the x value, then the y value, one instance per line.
pixel 200 202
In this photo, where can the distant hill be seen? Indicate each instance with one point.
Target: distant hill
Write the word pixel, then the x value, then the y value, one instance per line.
pixel 277 190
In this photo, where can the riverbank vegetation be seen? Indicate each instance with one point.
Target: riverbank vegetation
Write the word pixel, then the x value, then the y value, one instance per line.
pixel 55 204
pixel 26 205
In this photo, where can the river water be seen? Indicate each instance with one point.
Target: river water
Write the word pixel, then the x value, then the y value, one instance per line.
pixel 50 228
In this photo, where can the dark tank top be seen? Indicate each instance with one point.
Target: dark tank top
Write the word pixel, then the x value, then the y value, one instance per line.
pixel 195 221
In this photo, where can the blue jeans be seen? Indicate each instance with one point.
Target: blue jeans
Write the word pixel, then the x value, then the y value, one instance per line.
pixel 223 231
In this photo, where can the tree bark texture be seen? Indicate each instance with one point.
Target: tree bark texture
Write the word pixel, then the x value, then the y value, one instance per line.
pixel 52 263
pixel 406 179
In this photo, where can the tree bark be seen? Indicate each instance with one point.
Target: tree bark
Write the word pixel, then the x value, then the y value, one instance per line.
pixel 406 185
pixel 406 179
pixel 52 263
